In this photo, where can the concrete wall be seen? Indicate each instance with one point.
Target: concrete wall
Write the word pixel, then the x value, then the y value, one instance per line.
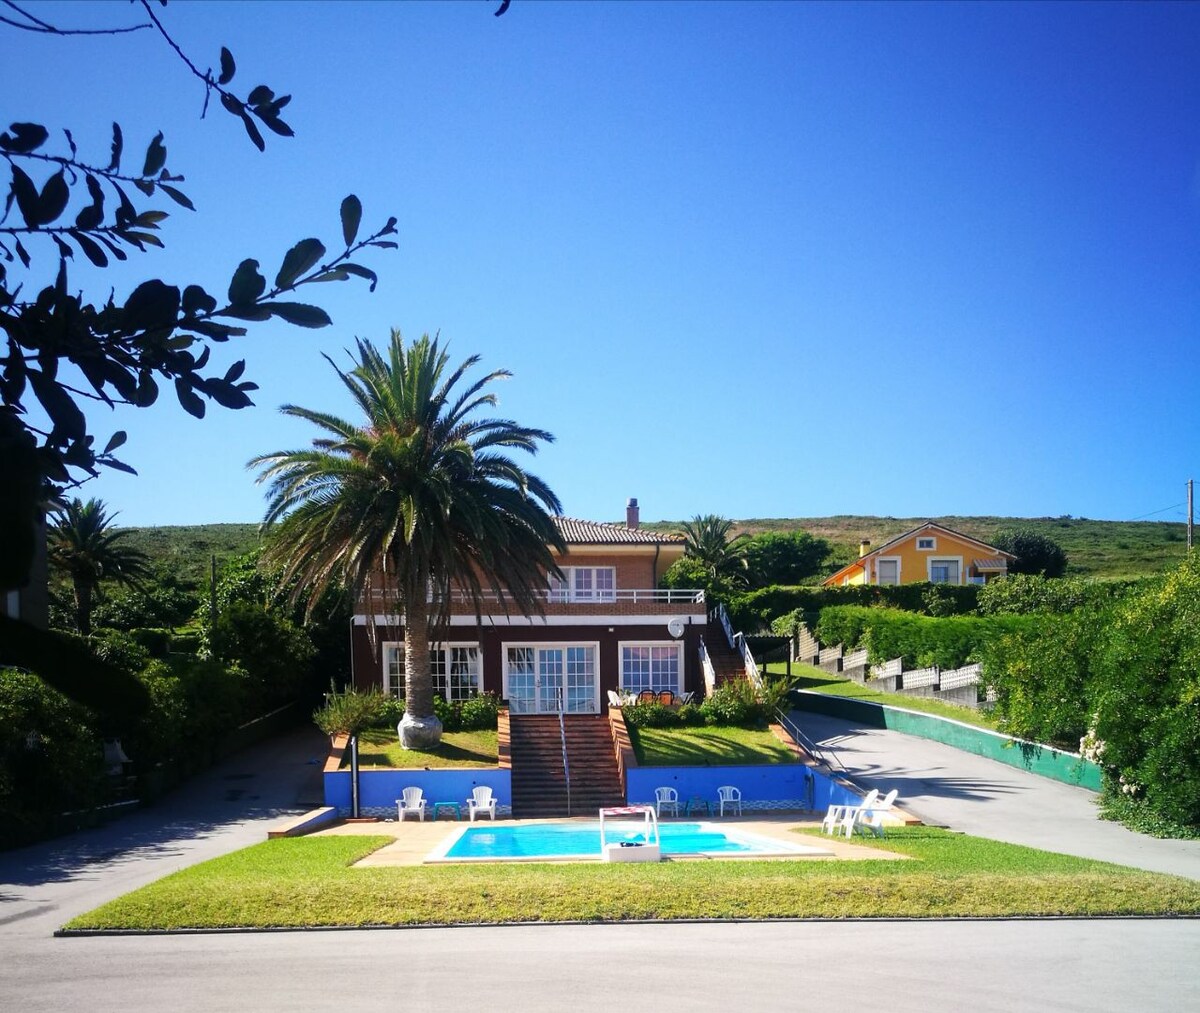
pixel 379 789
pixel 1070 768
pixel 778 786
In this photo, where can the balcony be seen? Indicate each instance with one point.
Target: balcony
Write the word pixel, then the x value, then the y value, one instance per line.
pixel 562 602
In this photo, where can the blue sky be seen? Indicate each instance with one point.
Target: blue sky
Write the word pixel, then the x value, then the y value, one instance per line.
pixel 752 259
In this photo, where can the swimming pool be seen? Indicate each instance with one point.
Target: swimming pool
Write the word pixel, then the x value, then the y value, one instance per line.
pixel 581 840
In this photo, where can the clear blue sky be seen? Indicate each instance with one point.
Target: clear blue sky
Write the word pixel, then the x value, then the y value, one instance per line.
pixel 751 259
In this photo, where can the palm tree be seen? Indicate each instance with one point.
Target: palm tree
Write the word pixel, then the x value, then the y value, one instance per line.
pixel 417 498
pixel 83 544
pixel 707 540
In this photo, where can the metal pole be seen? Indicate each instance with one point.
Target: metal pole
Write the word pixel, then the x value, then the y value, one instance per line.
pixel 354 777
pixel 1189 529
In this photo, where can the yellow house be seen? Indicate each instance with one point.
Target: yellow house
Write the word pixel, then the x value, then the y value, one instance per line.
pixel 926 553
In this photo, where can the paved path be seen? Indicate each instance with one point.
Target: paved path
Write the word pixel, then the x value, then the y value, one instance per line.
pixel 946 786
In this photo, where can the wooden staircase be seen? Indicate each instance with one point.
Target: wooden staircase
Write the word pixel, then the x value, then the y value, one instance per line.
pixel 727 662
pixel 539 786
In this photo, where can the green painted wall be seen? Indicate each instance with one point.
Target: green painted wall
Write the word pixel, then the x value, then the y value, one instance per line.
pixel 1030 756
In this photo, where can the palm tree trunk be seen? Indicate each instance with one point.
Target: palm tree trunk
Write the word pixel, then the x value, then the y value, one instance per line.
pixel 420 727
pixel 83 605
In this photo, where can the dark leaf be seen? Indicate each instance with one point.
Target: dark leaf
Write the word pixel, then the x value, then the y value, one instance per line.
pixel 247 284
pixel 126 212
pixel 147 391
pixel 260 95
pixel 232 104
pixel 27 197
pixel 253 132
pixel 150 219
pixel 64 250
pixel 177 196
pixel 64 413
pixel 117 144
pixel 203 360
pixel 145 185
pixel 234 372
pixel 248 311
pixel 91 216
pixel 113 248
pixel 117 439
pixel 71 143
pixel 196 300
pixel 227 395
pixel 228 67
pixel 112 462
pixel 91 248
pixel 25 137
pixel 214 330
pixel 156 156
pixel 299 314
pixel 188 399
pixel 277 125
pixel 151 306
pixel 121 378
pixel 386 244
pixel 179 344
pixel 336 274
pixel 299 259
pixel 138 238
pixel 351 217
pixel 21 252
pixel 53 199
pixel 362 272
pixel 389 228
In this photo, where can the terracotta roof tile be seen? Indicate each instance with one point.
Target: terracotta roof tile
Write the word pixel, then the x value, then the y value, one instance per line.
pixel 577 532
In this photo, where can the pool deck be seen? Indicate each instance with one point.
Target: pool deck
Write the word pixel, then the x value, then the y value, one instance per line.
pixel 415 840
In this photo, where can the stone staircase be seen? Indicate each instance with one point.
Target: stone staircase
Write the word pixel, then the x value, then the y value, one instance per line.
pixel 539 786
pixel 726 662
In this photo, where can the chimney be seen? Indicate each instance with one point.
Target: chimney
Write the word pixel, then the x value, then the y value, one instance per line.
pixel 864 547
pixel 631 514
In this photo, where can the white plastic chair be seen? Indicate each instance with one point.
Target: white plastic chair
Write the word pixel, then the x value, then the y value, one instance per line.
pixel 835 814
pixel 686 698
pixel 869 816
pixel 481 801
pixel 412 802
pixel 727 794
pixel 614 699
pixel 666 798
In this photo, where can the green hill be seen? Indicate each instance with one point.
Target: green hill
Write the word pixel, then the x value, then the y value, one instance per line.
pixel 1093 548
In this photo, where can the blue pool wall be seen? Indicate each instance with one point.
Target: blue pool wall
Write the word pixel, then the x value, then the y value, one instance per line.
pixel 379 789
pixel 764 788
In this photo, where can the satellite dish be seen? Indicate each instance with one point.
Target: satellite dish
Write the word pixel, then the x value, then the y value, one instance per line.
pixel 676 626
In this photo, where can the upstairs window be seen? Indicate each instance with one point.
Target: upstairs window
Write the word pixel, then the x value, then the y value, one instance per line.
pixel 584 583
pixel 927 544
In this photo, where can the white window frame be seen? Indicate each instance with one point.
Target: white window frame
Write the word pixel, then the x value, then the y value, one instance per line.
pixel 887 559
pixel 673 645
pixel 931 547
pixel 389 648
pixel 579 584
pixel 564 646
pixel 931 561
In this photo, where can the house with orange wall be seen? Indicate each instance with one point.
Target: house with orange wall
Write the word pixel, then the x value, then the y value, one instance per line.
pixel 929 552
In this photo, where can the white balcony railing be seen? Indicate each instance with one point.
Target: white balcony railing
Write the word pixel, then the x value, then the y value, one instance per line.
pixel 631 596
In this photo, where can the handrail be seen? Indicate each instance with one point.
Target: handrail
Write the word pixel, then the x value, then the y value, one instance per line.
pixel 748 662
pixel 723 617
pixel 830 760
pixel 562 731
pixel 565 596
pixel 710 673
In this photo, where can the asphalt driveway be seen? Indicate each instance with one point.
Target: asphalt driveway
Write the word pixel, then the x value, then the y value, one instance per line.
pixel 945 786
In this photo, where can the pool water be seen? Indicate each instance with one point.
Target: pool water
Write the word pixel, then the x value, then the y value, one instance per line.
pixel 582 840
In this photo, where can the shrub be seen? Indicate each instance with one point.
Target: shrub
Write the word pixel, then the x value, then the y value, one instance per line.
pixel 480 712
pixel 1024 593
pixel 157 642
pixel 734 703
pixel 781 609
pixel 1034 551
pixel 120 649
pixel 651 715
pixel 273 651
pixel 390 712
pixel 349 712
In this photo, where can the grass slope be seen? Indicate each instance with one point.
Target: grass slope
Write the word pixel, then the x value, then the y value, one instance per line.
pixel 188 549
pixel 379 747
pixel 717 746
pixel 308 882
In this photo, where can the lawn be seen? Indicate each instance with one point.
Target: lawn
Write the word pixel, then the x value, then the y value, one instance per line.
pixel 308 882
pixel 812 678
pixel 379 747
pixel 707 746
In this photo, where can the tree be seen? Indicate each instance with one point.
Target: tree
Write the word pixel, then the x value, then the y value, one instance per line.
pixel 708 541
pixel 419 497
pixel 1035 552
pixel 61 349
pixel 775 557
pixel 84 545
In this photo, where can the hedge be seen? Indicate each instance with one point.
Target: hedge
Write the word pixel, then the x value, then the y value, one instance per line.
pixel 781 609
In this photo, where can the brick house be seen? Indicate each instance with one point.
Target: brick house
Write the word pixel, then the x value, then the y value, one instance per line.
pixel 605 625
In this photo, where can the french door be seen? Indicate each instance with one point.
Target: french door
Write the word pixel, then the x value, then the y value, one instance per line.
pixel 542 679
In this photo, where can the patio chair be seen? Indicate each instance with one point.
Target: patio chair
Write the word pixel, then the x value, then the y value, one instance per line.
pixel 836 813
pixel 686 698
pixel 727 794
pixel 647 696
pixel 481 801
pixel 614 699
pixel 869 817
pixel 666 698
pixel 413 801
pixel 666 798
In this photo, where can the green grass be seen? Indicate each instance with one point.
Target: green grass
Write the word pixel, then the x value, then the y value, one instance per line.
pixel 707 746
pixel 308 882
pixel 818 681
pixel 379 747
